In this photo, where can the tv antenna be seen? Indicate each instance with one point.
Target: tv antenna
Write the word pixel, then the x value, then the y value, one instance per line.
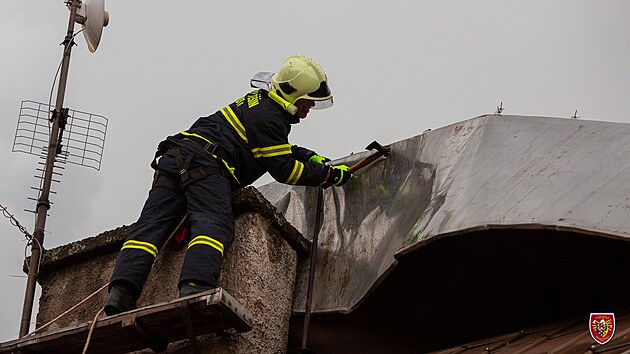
pixel 84 140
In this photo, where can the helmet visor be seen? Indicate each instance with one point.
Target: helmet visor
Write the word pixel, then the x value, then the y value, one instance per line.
pixel 322 96
pixel 327 103
pixel 322 92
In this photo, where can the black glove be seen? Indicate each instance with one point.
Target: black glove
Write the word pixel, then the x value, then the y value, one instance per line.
pixel 340 175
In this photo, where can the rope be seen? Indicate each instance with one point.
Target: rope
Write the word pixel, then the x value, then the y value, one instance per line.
pixel 181 222
pixel 87 342
pixel 68 310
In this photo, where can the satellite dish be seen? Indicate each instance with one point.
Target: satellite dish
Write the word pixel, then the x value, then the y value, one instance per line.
pixel 93 17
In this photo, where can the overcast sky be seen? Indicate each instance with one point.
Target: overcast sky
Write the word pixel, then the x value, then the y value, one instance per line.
pixel 396 68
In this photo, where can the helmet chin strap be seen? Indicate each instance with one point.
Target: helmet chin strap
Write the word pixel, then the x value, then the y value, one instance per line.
pixel 289 107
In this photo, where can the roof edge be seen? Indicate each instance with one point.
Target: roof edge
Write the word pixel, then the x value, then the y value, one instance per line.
pixel 522 226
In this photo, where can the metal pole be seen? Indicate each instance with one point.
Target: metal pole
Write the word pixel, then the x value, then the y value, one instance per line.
pixel 313 268
pixel 43 204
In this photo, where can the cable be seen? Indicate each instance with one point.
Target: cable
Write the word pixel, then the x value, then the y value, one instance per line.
pixel 15 222
pixel 52 88
pixel 27 235
pixel 66 50
pixel 41 254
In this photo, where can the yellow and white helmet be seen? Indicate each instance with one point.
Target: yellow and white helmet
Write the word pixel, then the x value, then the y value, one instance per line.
pixel 301 77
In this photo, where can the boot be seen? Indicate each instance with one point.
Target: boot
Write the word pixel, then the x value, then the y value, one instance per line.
pixel 120 300
pixel 190 288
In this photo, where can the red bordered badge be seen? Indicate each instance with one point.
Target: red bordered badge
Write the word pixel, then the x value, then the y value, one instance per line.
pixel 602 327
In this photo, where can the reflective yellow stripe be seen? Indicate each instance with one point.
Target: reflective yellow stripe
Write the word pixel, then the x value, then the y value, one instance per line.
pixel 296 173
pixel 271 151
pixel 144 246
pixel 209 144
pixel 198 136
pixel 230 169
pixel 235 122
pixel 208 241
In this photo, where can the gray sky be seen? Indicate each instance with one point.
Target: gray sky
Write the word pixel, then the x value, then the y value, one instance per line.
pixel 395 68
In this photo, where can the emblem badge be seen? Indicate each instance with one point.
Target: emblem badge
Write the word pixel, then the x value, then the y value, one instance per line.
pixel 602 327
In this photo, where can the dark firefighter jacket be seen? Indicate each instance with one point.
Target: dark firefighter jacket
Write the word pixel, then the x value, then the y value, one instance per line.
pixel 251 138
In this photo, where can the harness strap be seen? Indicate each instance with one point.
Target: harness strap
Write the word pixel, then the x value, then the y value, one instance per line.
pixel 161 149
pixel 211 148
pixel 198 173
pixel 184 176
pixel 163 181
pixel 187 175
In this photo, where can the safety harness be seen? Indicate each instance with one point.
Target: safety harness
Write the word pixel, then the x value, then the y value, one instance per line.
pixel 186 175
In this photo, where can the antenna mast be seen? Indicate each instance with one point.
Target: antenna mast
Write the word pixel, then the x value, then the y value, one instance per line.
pixel 43 203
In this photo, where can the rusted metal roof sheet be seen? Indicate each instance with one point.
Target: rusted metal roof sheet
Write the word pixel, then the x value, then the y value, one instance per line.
pixel 488 172
pixel 571 336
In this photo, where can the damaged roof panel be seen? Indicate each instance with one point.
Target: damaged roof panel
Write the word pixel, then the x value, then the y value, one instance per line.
pixel 488 172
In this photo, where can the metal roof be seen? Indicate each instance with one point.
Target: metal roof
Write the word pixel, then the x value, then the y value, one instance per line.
pixel 492 171
pixel 569 336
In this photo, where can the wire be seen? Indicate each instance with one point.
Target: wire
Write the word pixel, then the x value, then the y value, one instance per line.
pixel 15 222
pixel 66 50
pixel 52 88
pixel 41 254
pixel 30 238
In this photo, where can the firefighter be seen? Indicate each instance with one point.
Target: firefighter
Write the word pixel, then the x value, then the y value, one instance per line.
pixel 197 170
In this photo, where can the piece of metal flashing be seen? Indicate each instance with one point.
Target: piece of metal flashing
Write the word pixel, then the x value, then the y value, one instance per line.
pixel 489 172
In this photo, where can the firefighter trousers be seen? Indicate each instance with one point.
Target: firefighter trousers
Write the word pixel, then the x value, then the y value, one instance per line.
pixel 207 201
